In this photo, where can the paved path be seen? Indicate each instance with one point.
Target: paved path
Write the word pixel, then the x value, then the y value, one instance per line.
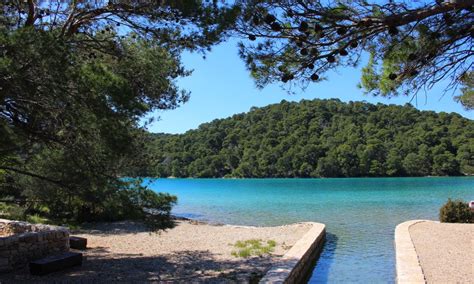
pixel 445 251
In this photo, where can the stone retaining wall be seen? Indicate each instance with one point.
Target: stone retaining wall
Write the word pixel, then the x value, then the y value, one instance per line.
pixel 407 264
pixel 296 265
pixel 21 242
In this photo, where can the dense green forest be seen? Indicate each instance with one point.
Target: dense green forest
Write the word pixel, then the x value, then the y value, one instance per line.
pixel 320 138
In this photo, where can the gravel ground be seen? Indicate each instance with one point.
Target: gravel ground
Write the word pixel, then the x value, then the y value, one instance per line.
pixel 445 251
pixel 190 252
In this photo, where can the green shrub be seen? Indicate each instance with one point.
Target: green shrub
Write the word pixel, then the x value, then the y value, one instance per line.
pixel 12 211
pixel 456 211
pixel 128 201
pixel 253 247
pixel 36 219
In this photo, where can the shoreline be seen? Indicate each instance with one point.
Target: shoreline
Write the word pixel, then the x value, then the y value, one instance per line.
pixel 305 178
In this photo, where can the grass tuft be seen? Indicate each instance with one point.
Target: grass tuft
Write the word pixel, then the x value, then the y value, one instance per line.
pixel 253 247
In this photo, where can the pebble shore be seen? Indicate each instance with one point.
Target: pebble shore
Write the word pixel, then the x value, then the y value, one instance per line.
pixel 190 252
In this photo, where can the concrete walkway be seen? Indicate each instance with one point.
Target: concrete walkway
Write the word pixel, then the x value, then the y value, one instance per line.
pixel 433 252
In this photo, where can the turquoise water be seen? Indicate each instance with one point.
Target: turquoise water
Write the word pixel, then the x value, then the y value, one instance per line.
pixel 360 214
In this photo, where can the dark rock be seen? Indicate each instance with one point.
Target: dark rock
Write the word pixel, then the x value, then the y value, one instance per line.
pixel 55 263
pixel 78 243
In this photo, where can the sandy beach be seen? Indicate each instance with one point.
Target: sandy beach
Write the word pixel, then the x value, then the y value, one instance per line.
pixel 445 251
pixel 192 251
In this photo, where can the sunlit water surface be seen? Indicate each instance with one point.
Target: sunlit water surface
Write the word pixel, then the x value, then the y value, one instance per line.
pixel 360 214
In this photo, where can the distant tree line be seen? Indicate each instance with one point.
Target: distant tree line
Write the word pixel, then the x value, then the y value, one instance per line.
pixel 320 138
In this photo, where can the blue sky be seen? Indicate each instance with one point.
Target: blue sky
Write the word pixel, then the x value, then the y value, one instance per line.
pixel 221 86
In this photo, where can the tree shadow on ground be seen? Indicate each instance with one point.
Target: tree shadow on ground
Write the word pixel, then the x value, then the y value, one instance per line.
pixel 183 267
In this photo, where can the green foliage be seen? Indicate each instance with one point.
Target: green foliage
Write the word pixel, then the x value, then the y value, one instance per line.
pixel 320 138
pixel 36 219
pixel 12 211
pixel 456 211
pixel 467 91
pixel 253 247
pixel 413 45
pixel 75 88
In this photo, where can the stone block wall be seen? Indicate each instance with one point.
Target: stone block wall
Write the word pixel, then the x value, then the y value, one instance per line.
pixel 21 242
pixel 297 264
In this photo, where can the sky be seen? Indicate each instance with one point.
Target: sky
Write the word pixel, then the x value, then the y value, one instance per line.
pixel 221 87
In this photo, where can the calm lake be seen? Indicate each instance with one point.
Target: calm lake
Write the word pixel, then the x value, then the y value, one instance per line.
pixel 360 213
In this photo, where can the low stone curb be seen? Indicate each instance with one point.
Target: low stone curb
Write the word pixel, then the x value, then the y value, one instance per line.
pixel 407 264
pixel 297 263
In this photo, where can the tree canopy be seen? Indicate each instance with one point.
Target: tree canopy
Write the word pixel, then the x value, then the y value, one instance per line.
pixel 320 138
pixel 76 80
pixel 412 45
pixel 467 91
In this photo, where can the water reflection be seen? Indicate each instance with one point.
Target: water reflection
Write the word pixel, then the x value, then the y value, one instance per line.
pixel 323 265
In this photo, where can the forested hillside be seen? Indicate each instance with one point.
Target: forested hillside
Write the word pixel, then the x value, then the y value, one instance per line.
pixel 320 138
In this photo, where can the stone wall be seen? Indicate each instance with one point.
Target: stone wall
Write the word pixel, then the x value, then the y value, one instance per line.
pixel 21 242
pixel 407 264
pixel 297 264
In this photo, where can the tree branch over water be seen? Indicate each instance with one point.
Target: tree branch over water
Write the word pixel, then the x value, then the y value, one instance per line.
pixel 411 45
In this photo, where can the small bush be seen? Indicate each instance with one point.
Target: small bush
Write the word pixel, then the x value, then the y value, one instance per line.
pixel 253 247
pixel 456 211
pixel 36 219
pixel 12 211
